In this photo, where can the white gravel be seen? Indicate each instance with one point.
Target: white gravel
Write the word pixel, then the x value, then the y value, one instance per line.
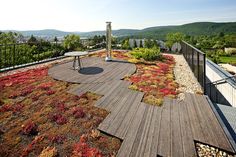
pixel 204 150
pixel 185 77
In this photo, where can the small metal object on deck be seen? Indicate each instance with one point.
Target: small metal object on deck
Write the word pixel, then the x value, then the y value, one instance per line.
pixel 76 54
pixel 108 42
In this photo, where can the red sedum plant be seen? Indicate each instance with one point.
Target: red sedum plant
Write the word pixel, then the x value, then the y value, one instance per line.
pixel 78 112
pixel 36 113
pixel 58 118
pixel 30 128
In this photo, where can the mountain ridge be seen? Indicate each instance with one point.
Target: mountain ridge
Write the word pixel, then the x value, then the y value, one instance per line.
pixel 196 28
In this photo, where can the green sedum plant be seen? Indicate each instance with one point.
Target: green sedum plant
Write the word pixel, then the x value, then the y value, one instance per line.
pixel 148 54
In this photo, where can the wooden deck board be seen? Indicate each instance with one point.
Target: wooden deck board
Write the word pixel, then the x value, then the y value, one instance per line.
pixel 142 136
pixel 219 135
pixel 123 129
pixel 121 115
pixel 186 132
pixel 194 121
pixel 112 97
pixel 209 135
pixel 129 140
pixel 176 136
pixel 153 134
pixel 107 102
pixel 164 141
pixel 117 106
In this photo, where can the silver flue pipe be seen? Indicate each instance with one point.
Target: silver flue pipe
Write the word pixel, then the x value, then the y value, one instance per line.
pixel 108 42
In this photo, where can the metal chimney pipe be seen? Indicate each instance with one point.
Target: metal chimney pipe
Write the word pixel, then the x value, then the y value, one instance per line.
pixel 108 42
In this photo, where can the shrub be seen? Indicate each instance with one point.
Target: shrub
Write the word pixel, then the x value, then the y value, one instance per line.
pixel 61 107
pixel 26 91
pixel 6 108
pixel 13 95
pixel 56 138
pixel 45 86
pixel 50 92
pixel 150 99
pixel 58 118
pixel 17 108
pixel 146 53
pixel 83 149
pixel 78 112
pixel 72 42
pixel 30 128
pixel 49 152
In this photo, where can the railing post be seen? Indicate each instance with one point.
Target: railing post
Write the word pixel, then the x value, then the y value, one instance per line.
pixel 204 73
pixel 0 56
pixel 181 50
pixel 210 91
pixel 5 55
pixel 186 51
pixel 187 54
pixel 192 65
pixel 14 51
pixel 198 68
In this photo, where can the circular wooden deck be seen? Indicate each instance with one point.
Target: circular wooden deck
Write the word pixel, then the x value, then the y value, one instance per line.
pixel 94 70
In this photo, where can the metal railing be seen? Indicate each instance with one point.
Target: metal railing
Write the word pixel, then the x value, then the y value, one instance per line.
pixel 216 95
pixel 221 85
pixel 12 55
pixel 197 61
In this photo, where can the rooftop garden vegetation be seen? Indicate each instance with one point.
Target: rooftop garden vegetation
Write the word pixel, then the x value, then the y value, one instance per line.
pixel 39 118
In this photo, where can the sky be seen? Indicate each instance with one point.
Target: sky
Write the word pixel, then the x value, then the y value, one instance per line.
pixel 91 15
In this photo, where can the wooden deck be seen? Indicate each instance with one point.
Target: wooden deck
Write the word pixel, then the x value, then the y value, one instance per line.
pixel 94 70
pixel 146 130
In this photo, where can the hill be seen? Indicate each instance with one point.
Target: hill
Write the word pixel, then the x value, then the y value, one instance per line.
pixel 198 28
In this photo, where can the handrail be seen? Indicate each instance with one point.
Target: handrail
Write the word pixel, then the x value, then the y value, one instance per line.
pixel 221 72
pixel 224 79
pixel 193 47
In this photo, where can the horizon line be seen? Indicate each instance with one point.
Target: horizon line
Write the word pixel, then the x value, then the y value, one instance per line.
pixel 20 30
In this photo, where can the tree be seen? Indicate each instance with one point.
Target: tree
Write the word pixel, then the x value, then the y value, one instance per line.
pixel 125 44
pixel 148 43
pixel 8 37
pixel 56 40
pixel 32 39
pixel 230 40
pixel 173 38
pixel 135 44
pixel 221 34
pixel 72 42
pixel 141 43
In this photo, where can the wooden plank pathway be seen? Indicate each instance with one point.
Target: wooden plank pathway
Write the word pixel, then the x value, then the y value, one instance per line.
pixel 147 131
pixel 171 130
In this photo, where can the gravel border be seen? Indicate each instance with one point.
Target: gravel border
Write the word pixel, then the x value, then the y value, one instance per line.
pixel 204 150
pixel 185 77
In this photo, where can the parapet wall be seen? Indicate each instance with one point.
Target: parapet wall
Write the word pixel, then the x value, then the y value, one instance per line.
pixel 223 92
